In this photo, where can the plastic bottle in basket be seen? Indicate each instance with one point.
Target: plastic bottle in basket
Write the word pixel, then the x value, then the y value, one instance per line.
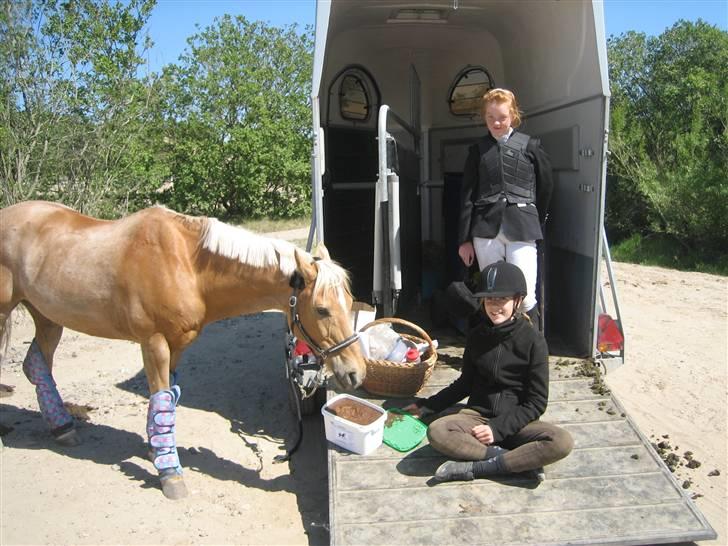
pixel 399 352
pixel 412 356
pixel 382 340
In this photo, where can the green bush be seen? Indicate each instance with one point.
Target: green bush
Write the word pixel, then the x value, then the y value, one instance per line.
pixel 668 251
pixel 669 142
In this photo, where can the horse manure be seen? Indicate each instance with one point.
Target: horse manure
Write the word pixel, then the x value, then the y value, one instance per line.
pixel 588 368
pixel 692 463
pixel 353 411
pixel 670 459
pixel 715 472
pixel 686 484
pixel 669 455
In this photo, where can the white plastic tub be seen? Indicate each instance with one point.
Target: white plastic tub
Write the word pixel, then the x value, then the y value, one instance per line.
pixel 360 439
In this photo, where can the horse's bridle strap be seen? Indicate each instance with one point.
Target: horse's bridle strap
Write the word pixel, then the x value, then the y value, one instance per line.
pixel 320 351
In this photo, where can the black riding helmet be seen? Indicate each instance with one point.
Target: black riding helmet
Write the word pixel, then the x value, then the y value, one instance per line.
pixel 501 279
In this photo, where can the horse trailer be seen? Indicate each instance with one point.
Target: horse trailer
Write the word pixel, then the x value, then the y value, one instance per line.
pixel 395 104
pixel 395 101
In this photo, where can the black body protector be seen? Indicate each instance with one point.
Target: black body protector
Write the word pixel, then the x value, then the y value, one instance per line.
pixel 506 171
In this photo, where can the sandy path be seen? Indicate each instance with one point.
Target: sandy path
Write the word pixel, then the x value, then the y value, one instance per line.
pixel 674 382
pixel 234 415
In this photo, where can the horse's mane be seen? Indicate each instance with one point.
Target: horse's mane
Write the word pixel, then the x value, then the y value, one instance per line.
pixel 246 247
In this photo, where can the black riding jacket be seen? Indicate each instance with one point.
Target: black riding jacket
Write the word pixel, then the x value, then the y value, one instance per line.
pixel 484 212
pixel 505 376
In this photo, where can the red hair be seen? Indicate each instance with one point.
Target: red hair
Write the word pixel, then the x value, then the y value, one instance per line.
pixel 499 95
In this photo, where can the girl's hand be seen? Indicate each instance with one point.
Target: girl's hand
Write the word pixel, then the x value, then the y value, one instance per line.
pixel 484 434
pixel 467 253
pixel 413 409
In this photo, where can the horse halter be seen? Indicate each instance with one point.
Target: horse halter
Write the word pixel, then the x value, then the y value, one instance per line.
pixel 297 284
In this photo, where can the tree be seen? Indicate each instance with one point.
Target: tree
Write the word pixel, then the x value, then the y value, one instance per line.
pixel 239 121
pixel 669 139
pixel 74 114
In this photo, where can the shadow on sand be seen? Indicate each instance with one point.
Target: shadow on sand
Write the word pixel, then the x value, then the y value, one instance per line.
pixel 235 369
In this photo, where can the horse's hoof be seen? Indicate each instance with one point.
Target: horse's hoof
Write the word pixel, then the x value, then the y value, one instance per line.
pixel 70 438
pixel 174 487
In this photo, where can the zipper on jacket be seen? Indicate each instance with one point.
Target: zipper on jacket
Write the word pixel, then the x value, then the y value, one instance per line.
pixel 495 375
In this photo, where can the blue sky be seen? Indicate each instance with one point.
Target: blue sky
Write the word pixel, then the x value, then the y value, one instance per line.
pixel 173 21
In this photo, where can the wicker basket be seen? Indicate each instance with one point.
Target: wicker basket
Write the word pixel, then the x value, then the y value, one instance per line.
pixel 388 378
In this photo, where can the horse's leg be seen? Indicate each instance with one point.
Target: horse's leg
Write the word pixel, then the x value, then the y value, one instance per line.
pixel 6 308
pixel 161 416
pixel 5 327
pixel 8 301
pixel 38 368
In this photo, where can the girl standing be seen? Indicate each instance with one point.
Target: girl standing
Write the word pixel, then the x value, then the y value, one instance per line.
pixel 506 189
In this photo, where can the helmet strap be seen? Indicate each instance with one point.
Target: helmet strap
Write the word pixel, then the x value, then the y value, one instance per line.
pixel 517 301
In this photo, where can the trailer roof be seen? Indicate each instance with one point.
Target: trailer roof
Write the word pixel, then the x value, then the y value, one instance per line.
pixel 561 45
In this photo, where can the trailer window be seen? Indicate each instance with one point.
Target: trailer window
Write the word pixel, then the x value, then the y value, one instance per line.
pixel 470 85
pixel 354 102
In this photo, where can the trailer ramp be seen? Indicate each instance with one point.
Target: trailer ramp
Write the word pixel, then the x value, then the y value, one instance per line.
pixel 612 489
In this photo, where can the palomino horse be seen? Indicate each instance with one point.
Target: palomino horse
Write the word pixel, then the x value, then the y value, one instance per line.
pixel 158 277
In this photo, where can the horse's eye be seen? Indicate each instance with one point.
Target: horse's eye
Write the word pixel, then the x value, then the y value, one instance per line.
pixel 323 311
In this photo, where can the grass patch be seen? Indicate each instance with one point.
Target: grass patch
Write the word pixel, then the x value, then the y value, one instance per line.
pixel 666 251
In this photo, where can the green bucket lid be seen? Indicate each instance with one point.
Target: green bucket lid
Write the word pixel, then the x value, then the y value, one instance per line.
pixel 403 431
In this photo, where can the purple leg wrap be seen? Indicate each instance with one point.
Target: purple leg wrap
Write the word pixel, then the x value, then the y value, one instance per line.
pixel 51 405
pixel 160 430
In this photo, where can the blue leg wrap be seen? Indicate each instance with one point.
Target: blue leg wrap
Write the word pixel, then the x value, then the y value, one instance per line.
pixel 50 402
pixel 160 430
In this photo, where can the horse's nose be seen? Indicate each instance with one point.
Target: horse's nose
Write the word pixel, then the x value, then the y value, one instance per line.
pixel 349 380
pixel 354 379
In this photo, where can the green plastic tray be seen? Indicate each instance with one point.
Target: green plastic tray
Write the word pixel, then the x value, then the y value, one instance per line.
pixel 405 432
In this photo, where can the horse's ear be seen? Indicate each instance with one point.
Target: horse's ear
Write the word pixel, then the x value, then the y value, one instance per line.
pixel 321 252
pixel 306 267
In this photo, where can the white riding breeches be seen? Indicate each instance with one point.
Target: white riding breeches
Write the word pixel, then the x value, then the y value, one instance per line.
pixel 521 253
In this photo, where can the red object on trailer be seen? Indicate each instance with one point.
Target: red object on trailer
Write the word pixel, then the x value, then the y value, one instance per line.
pixel 609 336
pixel 301 348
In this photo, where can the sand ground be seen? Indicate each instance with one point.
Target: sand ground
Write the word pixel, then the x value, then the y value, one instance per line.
pixel 234 416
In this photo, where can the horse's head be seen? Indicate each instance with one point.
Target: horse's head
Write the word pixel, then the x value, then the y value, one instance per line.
pixel 322 316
